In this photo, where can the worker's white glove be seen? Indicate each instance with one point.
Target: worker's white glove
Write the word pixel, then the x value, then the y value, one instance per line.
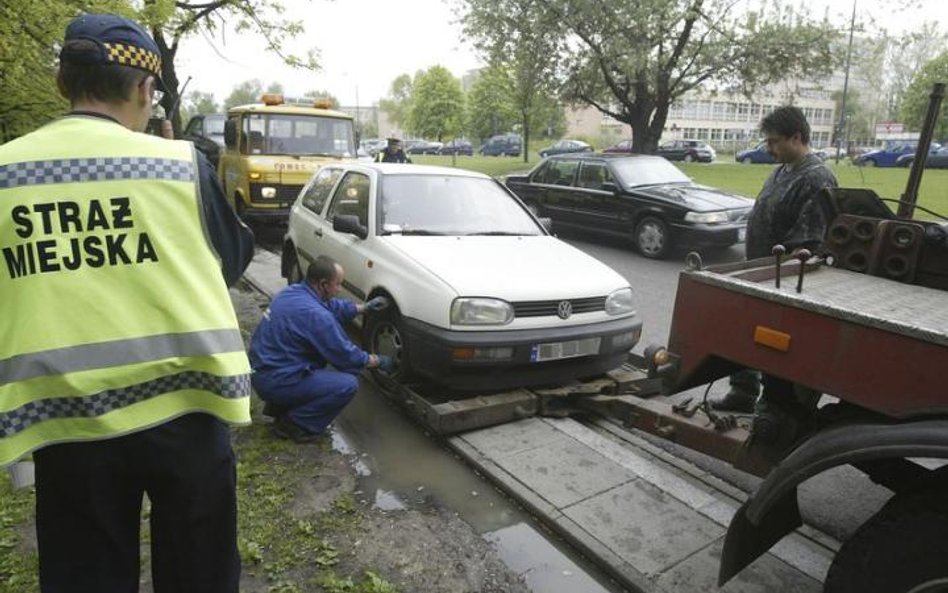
pixel 377 304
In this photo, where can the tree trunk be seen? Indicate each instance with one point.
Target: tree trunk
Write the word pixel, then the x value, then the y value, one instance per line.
pixel 525 142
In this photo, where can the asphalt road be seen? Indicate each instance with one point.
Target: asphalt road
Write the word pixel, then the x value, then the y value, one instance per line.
pixel 826 501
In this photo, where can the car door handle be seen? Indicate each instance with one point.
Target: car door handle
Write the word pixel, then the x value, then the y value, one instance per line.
pixel 318 232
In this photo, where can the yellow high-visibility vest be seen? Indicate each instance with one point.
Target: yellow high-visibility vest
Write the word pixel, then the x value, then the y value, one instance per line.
pixel 114 314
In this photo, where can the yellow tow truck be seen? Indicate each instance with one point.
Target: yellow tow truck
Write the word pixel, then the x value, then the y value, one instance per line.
pixel 272 148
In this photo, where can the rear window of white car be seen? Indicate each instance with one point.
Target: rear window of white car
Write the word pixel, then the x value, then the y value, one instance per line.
pixel 450 205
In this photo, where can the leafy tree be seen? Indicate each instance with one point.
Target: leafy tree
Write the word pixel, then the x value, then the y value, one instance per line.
pixel 437 104
pixel 632 60
pixel 172 20
pixel 198 103
pixel 248 91
pixel 490 104
pixel 397 106
pixel 524 36
pixel 30 38
pixel 907 56
pixel 916 98
pixel 548 117
pixel 322 94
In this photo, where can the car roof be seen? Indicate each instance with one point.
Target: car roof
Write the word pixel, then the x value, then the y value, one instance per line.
pixel 609 156
pixel 407 169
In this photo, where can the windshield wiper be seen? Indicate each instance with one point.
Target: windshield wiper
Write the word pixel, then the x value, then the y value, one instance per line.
pixel 423 232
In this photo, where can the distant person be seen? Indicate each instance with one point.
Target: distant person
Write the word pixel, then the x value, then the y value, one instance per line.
pixel 123 362
pixel 392 153
pixel 299 338
pixel 787 213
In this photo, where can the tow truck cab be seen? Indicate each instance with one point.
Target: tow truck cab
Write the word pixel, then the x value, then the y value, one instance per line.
pixel 272 148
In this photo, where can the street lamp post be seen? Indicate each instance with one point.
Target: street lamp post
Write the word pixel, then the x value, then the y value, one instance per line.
pixel 842 130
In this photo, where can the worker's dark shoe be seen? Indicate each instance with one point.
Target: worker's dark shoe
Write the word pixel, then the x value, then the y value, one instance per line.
pixel 736 400
pixel 285 428
pixel 272 410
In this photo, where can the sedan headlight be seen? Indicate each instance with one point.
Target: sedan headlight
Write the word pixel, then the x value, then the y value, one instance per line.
pixel 707 217
pixel 481 311
pixel 620 302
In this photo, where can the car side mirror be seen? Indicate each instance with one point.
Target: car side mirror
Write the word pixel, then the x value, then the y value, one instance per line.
pixel 547 223
pixel 610 186
pixel 349 223
pixel 230 133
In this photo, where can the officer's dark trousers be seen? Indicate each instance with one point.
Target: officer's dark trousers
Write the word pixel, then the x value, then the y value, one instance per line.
pixel 313 401
pixel 89 501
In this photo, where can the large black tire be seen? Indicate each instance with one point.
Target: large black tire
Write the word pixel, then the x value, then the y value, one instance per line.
pixel 652 238
pixel 385 334
pixel 294 272
pixel 902 549
pixel 239 207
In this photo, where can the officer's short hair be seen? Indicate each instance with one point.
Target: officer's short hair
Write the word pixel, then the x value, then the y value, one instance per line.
pixel 322 268
pixel 105 83
pixel 786 120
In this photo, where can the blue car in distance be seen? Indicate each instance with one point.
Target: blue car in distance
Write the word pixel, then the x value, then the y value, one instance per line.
pixel 884 157
pixel 756 155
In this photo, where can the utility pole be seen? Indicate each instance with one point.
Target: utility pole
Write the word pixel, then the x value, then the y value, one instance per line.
pixel 842 132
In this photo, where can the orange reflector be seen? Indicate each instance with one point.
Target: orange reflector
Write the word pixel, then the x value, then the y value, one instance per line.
pixel 462 353
pixel 772 338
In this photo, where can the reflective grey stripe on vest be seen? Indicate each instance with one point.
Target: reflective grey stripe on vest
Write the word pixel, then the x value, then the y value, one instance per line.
pixel 94 169
pixel 118 352
pixel 19 419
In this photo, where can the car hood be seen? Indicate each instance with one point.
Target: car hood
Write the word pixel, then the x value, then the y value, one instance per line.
pixel 511 268
pixel 695 197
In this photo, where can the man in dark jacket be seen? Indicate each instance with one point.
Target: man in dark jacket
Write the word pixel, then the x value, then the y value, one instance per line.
pixel 786 213
pixel 299 337
pixel 392 153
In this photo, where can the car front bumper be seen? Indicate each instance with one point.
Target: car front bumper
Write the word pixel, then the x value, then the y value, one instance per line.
pixel 434 354
pixel 706 235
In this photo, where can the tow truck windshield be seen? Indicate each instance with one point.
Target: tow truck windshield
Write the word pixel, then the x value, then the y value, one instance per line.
pixel 298 135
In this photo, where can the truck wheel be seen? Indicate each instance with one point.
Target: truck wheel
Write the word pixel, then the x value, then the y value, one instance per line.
pixel 239 207
pixel 651 237
pixel 385 334
pixel 902 549
pixel 294 272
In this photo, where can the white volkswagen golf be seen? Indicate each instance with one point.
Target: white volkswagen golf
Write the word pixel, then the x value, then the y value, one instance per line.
pixel 483 296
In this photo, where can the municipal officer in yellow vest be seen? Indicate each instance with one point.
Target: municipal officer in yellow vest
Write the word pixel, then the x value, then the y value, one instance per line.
pixel 121 362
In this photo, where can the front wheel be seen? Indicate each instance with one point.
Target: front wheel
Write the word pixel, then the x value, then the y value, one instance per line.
pixel 651 237
pixel 240 207
pixel 902 549
pixel 689 158
pixel 868 163
pixel 385 334
pixel 747 161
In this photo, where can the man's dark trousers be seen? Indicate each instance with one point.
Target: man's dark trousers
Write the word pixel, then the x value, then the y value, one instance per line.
pixel 88 510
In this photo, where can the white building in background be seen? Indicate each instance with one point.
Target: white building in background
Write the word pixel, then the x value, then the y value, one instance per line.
pixel 727 121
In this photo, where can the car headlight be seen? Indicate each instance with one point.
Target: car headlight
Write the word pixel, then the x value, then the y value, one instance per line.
pixel 620 302
pixel 481 311
pixel 707 217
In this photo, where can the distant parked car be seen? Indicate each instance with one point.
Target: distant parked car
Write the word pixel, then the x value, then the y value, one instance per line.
pixel 937 158
pixel 373 145
pixel 621 147
pixel 207 134
pixel 757 155
pixel 687 150
pixel 423 147
pixel 502 145
pixel 565 146
pixel 457 147
pixel 642 197
pixel 884 157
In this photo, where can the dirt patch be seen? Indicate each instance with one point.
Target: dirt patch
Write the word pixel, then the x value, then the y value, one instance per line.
pixel 303 527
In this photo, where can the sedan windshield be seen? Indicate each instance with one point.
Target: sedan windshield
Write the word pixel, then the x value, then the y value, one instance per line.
pixel 450 205
pixel 647 171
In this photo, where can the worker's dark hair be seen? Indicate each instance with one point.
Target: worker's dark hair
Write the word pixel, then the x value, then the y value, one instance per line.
pixel 108 83
pixel 786 120
pixel 323 268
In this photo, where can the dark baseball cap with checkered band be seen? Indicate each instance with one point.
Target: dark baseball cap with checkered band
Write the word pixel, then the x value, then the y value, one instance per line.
pixel 117 41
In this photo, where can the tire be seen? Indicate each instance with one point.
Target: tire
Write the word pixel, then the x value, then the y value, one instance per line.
pixel 294 272
pixel 385 334
pixel 747 161
pixel 868 163
pixel 689 158
pixel 902 549
pixel 652 237
pixel 240 207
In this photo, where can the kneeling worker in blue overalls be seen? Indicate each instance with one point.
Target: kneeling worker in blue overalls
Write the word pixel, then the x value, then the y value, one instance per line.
pixel 300 336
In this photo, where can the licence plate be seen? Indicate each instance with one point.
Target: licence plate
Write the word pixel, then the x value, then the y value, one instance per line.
pixel 559 350
pixel 741 234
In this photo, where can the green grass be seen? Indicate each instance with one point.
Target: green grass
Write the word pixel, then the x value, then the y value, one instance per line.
pixel 748 179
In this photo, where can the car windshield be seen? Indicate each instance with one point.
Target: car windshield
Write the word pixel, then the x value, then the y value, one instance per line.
pixel 450 205
pixel 632 172
pixel 300 135
pixel 214 126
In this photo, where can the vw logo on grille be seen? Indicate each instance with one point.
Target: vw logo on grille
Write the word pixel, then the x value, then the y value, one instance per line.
pixel 564 309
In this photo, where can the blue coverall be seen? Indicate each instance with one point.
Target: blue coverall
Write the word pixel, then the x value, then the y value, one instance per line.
pixel 299 335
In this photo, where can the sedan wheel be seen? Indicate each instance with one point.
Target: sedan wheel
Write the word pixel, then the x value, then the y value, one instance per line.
pixel 651 237
pixel 385 335
pixel 747 161
pixel 689 158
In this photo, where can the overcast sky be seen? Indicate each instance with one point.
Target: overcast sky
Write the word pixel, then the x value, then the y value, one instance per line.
pixel 365 44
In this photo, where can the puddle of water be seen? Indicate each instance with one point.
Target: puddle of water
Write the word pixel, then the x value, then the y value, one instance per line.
pixel 399 467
